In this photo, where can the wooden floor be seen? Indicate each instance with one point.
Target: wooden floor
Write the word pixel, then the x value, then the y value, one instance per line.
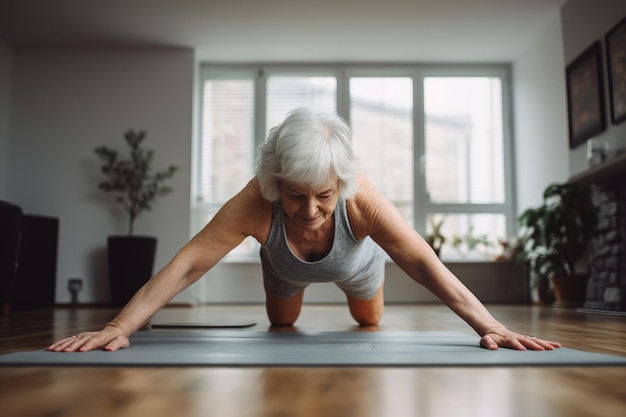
pixel 326 392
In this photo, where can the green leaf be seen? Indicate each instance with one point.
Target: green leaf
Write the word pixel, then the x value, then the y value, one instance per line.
pixel 131 180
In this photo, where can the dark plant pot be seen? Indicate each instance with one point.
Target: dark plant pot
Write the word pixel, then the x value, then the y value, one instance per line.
pixel 131 260
pixel 545 291
pixel 570 290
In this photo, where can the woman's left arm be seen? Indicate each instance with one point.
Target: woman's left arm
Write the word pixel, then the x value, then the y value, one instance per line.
pixel 428 270
pixel 372 214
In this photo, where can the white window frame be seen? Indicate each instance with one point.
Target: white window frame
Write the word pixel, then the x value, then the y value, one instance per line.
pixel 422 201
pixel 343 72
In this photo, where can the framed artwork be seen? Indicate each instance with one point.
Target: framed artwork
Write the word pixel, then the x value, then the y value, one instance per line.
pixel 615 42
pixel 585 96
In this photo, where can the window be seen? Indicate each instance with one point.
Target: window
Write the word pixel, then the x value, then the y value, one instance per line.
pixel 464 169
pixel 434 141
pixel 225 152
pixel 285 93
pixel 464 159
pixel 381 115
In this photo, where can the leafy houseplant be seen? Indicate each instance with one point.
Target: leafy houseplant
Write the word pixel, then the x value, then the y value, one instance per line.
pixel 131 258
pixel 555 235
pixel 130 179
pixel 435 239
pixel 472 243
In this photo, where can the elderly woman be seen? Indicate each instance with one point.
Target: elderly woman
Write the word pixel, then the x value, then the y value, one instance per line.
pixel 317 220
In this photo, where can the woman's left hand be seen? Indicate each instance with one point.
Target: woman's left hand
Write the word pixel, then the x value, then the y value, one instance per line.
pixel 501 337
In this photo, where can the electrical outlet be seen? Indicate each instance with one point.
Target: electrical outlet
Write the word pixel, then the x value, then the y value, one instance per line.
pixel 75 284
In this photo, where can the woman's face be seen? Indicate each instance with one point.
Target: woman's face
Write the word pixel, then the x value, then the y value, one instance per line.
pixel 309 207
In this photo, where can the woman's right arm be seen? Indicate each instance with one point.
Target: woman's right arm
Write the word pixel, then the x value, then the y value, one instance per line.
pixel 244 215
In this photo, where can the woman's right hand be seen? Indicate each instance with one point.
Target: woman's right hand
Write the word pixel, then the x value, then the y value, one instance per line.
pixel 110 338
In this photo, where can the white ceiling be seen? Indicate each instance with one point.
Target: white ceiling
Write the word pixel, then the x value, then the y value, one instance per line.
pixel 295 30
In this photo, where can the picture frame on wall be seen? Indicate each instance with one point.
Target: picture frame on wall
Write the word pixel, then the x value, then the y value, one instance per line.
pixel 585 96
pixel 615 42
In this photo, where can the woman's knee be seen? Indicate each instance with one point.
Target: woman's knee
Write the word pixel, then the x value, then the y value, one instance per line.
pixel 283 312
pixel 367 316
pixel 281 319
pixel 367 312
pixel 369 320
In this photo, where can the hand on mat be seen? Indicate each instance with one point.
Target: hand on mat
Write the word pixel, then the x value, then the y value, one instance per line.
pixel 501 337
pixel 110 338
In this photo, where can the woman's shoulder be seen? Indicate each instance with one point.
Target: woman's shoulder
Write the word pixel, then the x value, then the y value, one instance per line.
pixel 248 210
pixel 251 200
pixel 365 207
pixel 367 196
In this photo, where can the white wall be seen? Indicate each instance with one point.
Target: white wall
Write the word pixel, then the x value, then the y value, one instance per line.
pixel 5 91
pixel 583 23
pixel 65 102
pixel 540 110
pixel 540 98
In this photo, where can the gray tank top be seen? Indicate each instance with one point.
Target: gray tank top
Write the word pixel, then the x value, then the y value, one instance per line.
pixel 356 266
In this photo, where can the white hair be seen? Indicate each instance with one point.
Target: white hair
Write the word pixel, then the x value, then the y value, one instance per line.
pixel 306 149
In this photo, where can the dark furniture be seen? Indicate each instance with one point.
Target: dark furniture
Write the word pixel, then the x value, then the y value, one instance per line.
pixel 28 259
pixel 10 225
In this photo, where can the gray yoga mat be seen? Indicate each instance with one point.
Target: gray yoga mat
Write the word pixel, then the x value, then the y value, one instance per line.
pixel 222 324
pixel 262 348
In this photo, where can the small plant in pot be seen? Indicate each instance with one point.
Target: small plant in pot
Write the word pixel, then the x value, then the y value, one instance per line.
pixel 435 238
pixel 554 237
pixel 135 186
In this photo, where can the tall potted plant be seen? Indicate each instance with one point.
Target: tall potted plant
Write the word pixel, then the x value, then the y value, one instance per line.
pixel 554 237
pixel 135 187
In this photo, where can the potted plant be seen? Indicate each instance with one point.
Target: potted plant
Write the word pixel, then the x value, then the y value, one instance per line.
pixel 554 237
pixel 472 243
pixel 434 238
pixel 135 186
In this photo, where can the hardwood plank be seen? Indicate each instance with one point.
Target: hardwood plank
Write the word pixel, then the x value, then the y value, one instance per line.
pixel 329 392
